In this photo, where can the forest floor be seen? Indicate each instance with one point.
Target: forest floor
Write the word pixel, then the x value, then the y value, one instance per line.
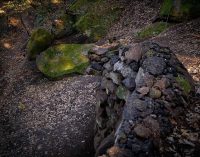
pixel 16 73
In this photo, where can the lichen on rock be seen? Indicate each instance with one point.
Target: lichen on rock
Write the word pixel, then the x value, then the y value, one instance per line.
pixel 40 40
pixel 63 59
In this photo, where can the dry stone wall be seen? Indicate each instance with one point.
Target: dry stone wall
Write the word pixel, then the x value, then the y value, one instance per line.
pixel 141 100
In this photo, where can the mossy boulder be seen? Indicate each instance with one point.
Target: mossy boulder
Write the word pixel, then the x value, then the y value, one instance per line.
pixel 40 40
pixel 94 18
pixel 63 25
pixel 180 10
pixel 63 59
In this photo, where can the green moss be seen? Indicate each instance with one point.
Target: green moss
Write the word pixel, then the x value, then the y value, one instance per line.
pixel 184 84
pixel 63 59
pixel 152 30
pixel 180 11
pixel 40 40
pixel 95 17
pixel 122 92
pixel 166 7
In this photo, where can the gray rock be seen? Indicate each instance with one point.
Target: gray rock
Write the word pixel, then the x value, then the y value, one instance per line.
pixel 139 78
pixel 108 66
pixel 129 83
pixel 108 85
pixel 154 65
pixel 99 50
pixel 134 53
pixel 142 131
pixel 116 77
pixel 125 70
pixel 96 66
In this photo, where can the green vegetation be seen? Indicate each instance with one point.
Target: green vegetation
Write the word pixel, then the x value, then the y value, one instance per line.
pixel 94 17
pixel 180 9
pixel 184 84
pixel 63 59
pixel 152 30
pixel 40 40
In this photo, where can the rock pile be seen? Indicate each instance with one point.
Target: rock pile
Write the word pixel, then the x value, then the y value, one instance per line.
pixel 141 101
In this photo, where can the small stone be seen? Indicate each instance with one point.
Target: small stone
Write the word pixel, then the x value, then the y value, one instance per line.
pixel 94 57
pixel 125 70
pixel 139 105
pixel 108 85
pixel 108 66
pixel 152 124
pixel 162 84
pixel 134 66
pixel 143 90
pixel 142 131
pixel 154 65
pixel 99 50
pixel 122 92
pixel 96 66
pixel 155 93
pixel 116 77
pixel 198 92
pixel 128 72
pixel 118 66
pixel 139 78
pixel 148 80
pixel 104 59
pixel 129 83
pixel 114 59
pixel 134 53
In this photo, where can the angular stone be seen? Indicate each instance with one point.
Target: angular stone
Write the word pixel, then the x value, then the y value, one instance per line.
pixel 154 65
pixel 134 53
pixel 125 70
pixel 162 84
pixel 108 66
pixel 96 66
pixel 143 90
pixel 99 50
pixel 116 77
pixel 108 85
pixel 139 78
pixel 141 131
pixel 129 83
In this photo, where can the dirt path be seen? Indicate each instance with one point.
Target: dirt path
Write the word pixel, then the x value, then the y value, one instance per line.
pixel 40 117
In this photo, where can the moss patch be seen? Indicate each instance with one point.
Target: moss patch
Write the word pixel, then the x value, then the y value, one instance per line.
pixel 63 59
pixel 122 92
pixel 184 84
pixel 40 40
pixel 152 30
pixel 95 17
pixel 180 10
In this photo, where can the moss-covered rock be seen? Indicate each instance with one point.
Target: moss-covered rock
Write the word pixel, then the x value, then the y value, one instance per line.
pixel 152 30
pixel 40 40
pixel 122 92
pixel 184 84
pixel 63 59
pixel 94 17
pixel 179 10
